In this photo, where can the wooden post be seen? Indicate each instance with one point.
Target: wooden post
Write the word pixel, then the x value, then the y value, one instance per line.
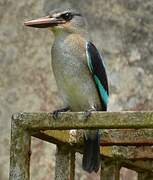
pixel 65 163
pixel 97 120
pixel 26 124
pixel 72 165
pixel 145 176
pixel 19 153
pixel 110 170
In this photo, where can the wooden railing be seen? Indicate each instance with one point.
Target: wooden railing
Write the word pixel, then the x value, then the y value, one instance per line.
pixel 126 141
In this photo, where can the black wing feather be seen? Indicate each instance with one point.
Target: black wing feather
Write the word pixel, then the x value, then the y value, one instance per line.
pixel 97 67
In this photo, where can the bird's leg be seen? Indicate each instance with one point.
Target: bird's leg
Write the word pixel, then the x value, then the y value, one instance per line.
pixel 88 112
pixel 55 113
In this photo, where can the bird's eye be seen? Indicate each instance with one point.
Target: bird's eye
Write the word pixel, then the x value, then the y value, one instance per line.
pixel 67 16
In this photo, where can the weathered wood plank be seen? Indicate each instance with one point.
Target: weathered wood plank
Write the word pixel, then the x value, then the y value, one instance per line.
pixel 72 165
pixel 145 166
pixel 110 170
pixel 137 149
pixel 126 137
pixel 34 122
pixel 129 152
pixel 77 120
pixel 65 163
pixel 119 137
pixel 19 153
pixel 145 176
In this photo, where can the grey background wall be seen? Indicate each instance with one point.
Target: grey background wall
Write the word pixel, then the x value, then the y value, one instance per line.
pixel 121 29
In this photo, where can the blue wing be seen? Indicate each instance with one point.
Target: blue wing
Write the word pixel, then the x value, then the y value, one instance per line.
pixel 97 68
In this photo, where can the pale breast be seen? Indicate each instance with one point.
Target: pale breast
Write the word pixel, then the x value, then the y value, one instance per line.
pixel 72 75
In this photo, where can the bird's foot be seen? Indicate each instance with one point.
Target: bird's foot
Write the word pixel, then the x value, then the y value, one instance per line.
pixel 88 112
pixel 56 112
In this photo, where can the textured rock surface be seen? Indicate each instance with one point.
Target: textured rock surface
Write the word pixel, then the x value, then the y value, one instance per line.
pixel 122 29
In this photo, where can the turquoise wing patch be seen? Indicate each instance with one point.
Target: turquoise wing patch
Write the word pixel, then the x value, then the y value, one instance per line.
pixel 97 68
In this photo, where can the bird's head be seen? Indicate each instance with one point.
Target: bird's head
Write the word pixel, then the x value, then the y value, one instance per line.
pixel 69 21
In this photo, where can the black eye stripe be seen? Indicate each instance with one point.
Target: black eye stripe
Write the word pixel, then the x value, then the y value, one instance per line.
pixel 77 14
pixel 68 15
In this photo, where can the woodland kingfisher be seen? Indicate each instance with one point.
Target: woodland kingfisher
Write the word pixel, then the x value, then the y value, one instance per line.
pixel 80 73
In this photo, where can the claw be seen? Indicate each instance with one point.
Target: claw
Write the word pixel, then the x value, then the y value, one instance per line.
pixel 88 112
pixel 56 112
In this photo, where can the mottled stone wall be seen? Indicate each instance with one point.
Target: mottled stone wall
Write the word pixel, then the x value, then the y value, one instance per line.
pixel 122 29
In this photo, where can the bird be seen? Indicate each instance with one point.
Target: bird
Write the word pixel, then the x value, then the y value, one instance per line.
pixel 80 73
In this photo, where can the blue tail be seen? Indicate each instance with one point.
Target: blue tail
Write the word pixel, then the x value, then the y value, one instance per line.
pixel 91 155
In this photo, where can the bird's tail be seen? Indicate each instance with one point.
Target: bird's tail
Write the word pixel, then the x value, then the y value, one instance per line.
pixel 91 155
